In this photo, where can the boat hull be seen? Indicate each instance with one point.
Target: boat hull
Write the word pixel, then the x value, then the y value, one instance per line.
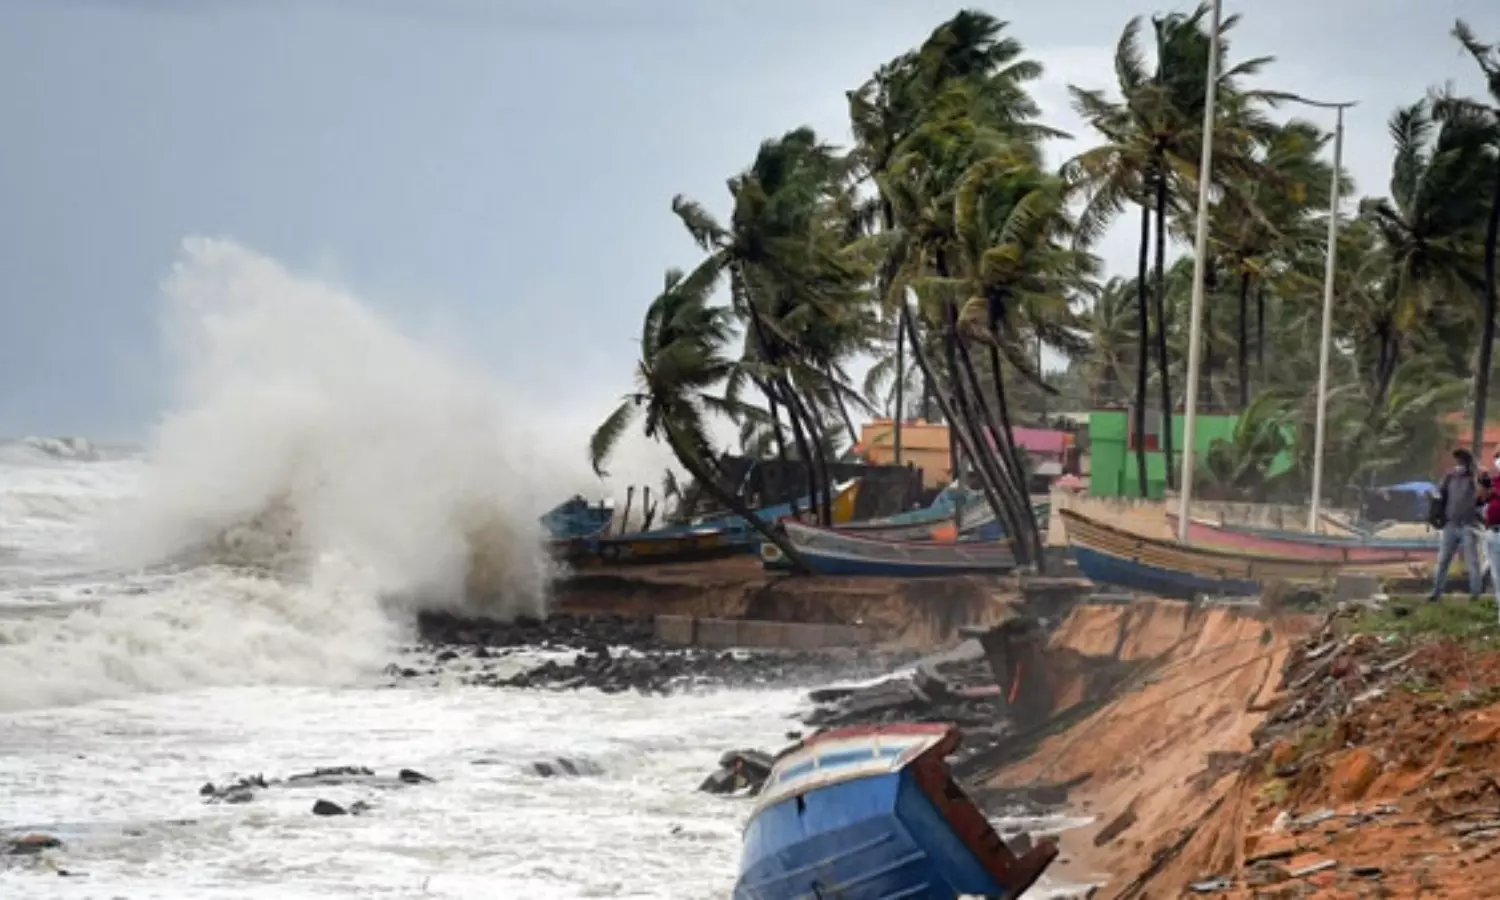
pixel 1113 556
pixel 873 814
pixel 831 552
pixel 1302 546
pixel 689 547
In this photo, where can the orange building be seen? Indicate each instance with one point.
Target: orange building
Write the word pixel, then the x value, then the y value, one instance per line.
pixel 923 445
pixel 1489 443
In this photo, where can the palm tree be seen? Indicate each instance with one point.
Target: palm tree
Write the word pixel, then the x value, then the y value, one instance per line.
pixel 1487 56
pixel 1153 137
pixel 797 282
pixel 681 364
pixel 969 51
pixel 1111 350
pixel 1257 221
pixel 1430 227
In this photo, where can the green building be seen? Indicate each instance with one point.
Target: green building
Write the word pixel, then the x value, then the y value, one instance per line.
pixel 1112 463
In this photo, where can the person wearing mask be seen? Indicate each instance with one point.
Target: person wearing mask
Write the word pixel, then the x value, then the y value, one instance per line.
pixel 1457 514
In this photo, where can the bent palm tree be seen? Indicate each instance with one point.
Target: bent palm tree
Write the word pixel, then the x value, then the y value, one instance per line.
pixel 681 364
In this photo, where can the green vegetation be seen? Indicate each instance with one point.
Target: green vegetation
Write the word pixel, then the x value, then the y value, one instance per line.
pixel 1415 619
pixel 941 245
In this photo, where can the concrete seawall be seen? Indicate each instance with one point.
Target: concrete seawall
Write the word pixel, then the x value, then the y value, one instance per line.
pixel 690 631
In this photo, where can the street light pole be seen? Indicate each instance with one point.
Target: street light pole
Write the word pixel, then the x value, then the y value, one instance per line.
pixel 1333 246
pixel 1200 259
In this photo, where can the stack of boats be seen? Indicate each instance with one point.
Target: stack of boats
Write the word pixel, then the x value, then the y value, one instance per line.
pixel 1233 560
pixel 957 533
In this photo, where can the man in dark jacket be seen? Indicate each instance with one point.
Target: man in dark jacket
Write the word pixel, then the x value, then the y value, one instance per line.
pixel 1460 523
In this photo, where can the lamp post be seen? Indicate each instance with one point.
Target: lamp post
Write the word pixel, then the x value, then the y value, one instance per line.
pixel 1314 508
pixel 1200 254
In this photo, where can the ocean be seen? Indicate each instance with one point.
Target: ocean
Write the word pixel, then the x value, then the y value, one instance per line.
pixel 221 601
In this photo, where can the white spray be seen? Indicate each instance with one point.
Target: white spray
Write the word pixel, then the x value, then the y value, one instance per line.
pixel 358 472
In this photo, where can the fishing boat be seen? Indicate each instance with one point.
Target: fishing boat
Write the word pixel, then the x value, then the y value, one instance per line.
pixel 577 518
pixel 708 538
pixel 1109 555
pixel 917 521
pixel 1302 545
pixel 829 551
pixel 873 813
pixel 845 495
pixel 683 546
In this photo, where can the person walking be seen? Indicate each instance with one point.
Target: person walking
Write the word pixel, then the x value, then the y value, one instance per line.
pixel 1489 514
pixel 1456 512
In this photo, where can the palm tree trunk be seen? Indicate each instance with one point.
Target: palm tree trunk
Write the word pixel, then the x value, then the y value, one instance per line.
pixel 900 383
pixel 1005 438
pixel 991 489
pixel 843 408
pixel 1260 330
pixel 1010 481
pixel 648 510
pixel 1020 521
pixel 1487 340
pixel 692 461
pixel 1244 372
pixel 780 438
pixel 1141 351
pixel 804 451
pixel 1161 321
pixel 816 440
pixel 629 498
pixel 950 360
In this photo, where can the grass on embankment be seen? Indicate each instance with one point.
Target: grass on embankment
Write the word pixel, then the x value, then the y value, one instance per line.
pixel 1472 622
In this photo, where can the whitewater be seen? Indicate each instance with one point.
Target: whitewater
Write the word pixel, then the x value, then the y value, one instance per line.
pixel 221 602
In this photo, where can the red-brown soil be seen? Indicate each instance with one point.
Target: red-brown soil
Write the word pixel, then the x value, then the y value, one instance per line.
pixel 1373 772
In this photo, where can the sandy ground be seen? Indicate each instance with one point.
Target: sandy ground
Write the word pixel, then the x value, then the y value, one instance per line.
pixel 1164 752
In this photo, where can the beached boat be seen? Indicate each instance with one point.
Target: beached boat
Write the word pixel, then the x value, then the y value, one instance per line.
pixel 914 521
pixel 1109 555
pixel 1302 545
pixel 577 518
pixel 686 546
pixel 873 813
pixel 845 495
pixel 832 552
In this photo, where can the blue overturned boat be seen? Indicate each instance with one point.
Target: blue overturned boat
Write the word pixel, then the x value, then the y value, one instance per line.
pixel 873 813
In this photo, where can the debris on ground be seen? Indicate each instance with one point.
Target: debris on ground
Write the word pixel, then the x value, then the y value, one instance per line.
pixel 1374 773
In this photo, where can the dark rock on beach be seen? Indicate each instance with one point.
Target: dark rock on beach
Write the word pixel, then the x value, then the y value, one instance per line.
pixel 561 631
pixel 244 789
pixel 328 808
pixel 30 844
pixel 550 768
pixel 739 771
pixel 614 655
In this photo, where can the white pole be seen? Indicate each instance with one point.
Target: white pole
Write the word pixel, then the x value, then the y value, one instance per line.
pixel 1200 259
pixel 1333 245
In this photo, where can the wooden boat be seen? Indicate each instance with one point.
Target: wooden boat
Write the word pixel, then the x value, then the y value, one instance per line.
pixel 873 812
pixel 577 518
pixel 832 552
pixel 1109 555
pixel 687 546
pixel 915 521
pixel 1301 545
pixel 713 538
pixel 845 496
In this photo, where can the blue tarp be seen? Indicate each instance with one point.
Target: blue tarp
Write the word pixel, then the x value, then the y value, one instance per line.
pixel 1410 487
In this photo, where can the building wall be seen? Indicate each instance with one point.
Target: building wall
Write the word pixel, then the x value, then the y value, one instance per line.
pixel 1112 465
pixel 923 445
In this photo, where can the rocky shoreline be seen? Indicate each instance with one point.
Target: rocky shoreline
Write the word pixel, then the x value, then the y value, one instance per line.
pixel 614 654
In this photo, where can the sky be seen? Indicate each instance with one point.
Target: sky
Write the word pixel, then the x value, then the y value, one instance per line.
pixel 496 171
